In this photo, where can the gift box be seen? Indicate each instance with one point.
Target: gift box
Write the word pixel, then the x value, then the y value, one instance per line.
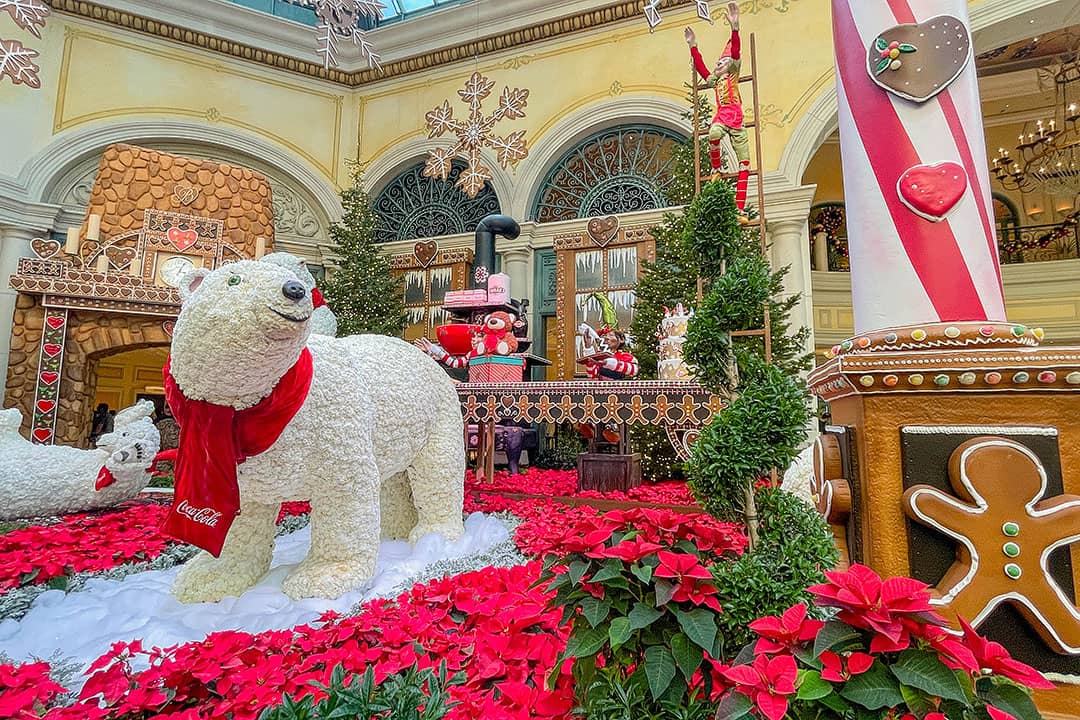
pixel 465 297
pixel 496 369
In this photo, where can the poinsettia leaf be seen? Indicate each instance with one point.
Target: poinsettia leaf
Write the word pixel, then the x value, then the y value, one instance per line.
pixel 699 625
pixel 577 570
pixel 1010 698
pixel 687 655
pixel 746 655
pixel 836 703
pixel 659 669
pixel 810 686
pixel 642 572
pixel 924 670
pixel 806 656
pixel 60 582
pixel 880 44
pixel 917 701
pixel 595 610
pixel 643 616
pixel 733 706
pixel 882 66
pixel 874 689
pixel 664 591
pixel 833 634
pixel 609 571
pixel 619 631
pixel 585 643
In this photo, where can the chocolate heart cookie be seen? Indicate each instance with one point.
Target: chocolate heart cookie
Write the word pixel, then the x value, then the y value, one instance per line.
pixel 603 230
pixel 425 252
pixel 917 61
pixel 45 249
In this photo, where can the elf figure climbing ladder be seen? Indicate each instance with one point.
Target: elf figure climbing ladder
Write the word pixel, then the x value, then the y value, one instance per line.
pixel 728 121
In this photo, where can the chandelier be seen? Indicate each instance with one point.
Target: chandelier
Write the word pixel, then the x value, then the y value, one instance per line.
pixel 1047 155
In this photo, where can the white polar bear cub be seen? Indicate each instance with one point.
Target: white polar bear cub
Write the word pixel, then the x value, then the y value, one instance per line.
pixel 381 420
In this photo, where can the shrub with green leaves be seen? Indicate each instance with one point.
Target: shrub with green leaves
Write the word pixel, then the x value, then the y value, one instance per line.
pixel 760 429
pixel 409 695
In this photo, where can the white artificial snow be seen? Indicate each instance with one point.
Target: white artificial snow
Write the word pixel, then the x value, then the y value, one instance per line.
pixel 83 625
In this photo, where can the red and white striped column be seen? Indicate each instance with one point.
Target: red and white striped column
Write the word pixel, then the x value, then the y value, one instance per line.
pixel 917 186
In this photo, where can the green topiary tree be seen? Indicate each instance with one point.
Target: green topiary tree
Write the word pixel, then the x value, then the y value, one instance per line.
pixel 363 293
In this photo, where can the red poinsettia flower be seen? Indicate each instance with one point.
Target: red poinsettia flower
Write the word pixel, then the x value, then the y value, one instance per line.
pixel 992 657
pixel 997 714
pixel 767 682
pixel 838 668
pixel 628 551
pixel 693 582
pixel 780 634
pixel 886 608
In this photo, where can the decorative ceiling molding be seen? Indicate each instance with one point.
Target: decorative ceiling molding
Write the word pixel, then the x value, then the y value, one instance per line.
pixel 575 22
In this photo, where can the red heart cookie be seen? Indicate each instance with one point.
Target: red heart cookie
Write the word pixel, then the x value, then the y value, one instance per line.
pixel 49 377
pixel 42 434
pixel 46 406
pixel 55 321
pixel 51 349
pixel 182 239
pixel 931 191
pixel 425 252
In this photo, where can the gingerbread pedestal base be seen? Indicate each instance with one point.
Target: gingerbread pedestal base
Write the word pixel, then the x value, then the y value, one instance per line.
pixel 963 449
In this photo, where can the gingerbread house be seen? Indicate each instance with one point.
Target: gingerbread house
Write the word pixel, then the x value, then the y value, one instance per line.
pixel 112 286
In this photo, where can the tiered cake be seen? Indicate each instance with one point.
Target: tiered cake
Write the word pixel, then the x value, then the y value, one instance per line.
pixel 671 365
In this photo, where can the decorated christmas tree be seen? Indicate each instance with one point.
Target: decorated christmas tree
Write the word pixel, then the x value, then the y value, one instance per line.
pixel 362 292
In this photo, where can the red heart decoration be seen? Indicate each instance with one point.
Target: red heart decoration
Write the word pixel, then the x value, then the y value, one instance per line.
pixel 182 239
pixel 52 349
pixel 42 434
pixel 168 326
pixel 49 377
pixel 46 405
pixel 931 191
pixel 55 322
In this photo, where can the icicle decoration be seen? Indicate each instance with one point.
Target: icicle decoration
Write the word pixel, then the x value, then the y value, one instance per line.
pixel 622 266
pixel 589 269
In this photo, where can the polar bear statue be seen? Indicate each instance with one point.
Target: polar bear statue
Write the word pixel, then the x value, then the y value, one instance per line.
pixel 323 321
pixel 40 480
pixel 374 442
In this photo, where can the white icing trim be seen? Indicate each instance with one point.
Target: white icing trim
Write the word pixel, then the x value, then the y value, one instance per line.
pixel 981 507
pixel 978 429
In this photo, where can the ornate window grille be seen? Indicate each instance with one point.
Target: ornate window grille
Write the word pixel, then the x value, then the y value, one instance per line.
pixel 621 169
pixel 1007 220
pixel 413 206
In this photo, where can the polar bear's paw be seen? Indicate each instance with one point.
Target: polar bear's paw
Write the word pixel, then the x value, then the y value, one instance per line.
pixel 206 579
pixel 451 530
pixel 313 579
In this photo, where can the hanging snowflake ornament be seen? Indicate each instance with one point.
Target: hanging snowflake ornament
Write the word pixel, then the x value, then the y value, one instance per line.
pixel 17 63
pixel 474 133
pixel 652 14
pixel 27 14
pixel 340 20
pixel 703 10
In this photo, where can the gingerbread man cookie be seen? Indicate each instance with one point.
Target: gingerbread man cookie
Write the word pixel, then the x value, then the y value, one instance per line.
pixel 1006 532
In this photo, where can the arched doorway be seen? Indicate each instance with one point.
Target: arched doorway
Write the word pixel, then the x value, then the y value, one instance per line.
pixel 119 379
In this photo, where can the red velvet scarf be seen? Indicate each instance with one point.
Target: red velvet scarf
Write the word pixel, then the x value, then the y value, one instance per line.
pixel 214 439
pixel 317 298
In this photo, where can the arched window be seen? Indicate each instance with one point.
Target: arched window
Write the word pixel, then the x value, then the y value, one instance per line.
pixel 617 170
pixel 1007 220
pixel 413 206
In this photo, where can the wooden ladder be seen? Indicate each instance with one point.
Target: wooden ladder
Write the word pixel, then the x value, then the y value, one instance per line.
pixel 755 172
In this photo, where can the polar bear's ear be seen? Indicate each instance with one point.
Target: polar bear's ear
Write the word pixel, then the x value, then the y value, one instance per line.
pixel 191 282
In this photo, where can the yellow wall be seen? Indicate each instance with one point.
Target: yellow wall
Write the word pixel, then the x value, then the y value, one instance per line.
pixel 121 378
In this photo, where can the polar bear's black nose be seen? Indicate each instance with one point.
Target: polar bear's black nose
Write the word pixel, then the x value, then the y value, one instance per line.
pixel 293 290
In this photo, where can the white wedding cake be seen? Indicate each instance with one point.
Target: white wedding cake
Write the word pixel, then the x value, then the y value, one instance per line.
pixel 671 366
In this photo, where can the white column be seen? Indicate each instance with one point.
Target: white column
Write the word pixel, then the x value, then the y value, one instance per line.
pixel 516 264
pixel 790 240
pixel 14 244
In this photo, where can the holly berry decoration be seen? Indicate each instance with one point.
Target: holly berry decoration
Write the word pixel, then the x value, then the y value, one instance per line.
pixel 890 54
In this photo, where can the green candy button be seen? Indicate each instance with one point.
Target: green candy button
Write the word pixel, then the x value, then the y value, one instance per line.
pixel 1013 571
pixel 1011 549
pixel 1019 330
pixel 1011 529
